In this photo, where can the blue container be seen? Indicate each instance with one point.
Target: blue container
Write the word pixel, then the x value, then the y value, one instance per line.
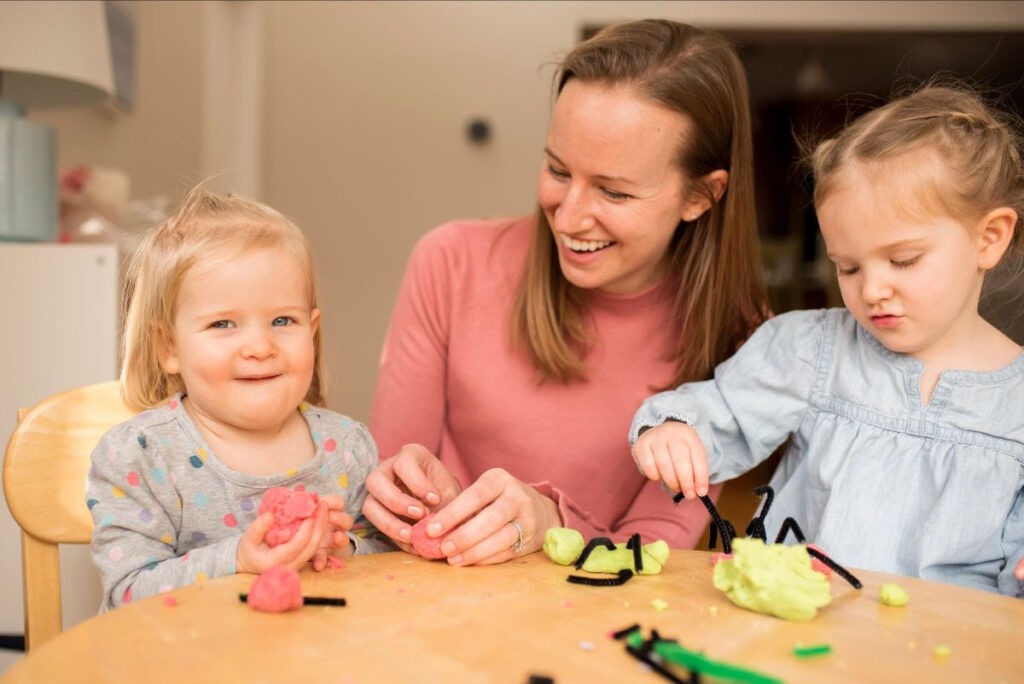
pixel 28 178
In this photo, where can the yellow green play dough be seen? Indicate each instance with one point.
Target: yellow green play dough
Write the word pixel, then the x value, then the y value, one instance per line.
pixel 893 595
pixel 564 546
pixel 774 579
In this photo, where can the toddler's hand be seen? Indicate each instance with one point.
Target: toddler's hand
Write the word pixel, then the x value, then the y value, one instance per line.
pixel 335 540
pixel 1019 571
pixel 672 452
pixel 255 555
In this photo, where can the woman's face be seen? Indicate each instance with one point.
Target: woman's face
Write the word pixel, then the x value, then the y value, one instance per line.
pixel 610 186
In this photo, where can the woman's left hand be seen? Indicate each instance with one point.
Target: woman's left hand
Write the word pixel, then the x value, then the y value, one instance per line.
pixel 492 507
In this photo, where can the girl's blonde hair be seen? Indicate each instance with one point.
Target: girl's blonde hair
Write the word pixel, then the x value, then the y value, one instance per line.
pixel 715 260
pixel 975 150
pixel 206 228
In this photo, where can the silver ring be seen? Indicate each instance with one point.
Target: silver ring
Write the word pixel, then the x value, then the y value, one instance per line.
pixel 518 546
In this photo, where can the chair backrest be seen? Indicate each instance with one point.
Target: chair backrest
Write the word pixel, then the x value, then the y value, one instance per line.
pixel 45 467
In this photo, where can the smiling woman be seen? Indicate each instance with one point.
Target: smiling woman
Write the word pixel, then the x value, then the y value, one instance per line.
pixel 519 349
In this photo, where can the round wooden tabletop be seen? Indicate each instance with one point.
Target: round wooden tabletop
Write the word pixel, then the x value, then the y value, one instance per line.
pixel 412 620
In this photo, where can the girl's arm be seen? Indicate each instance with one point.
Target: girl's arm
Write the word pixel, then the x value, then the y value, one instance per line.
pixel 136 511
pixel 755 400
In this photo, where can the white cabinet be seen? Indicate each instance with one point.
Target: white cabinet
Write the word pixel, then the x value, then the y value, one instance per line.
pixel 58 329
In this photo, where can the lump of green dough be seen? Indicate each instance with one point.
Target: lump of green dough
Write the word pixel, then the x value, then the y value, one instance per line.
pixel 563 545
pixel 893 595
pixel 773 579
pixel 654 556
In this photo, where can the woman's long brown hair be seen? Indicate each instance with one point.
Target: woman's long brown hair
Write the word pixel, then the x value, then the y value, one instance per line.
pixel 714 261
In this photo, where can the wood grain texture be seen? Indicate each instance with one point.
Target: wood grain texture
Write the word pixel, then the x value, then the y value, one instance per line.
pixel 45 465
pixel 409 619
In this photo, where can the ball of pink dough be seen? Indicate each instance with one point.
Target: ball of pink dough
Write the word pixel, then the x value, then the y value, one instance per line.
pixel 276 590
pixel 428 547
pixel 290 507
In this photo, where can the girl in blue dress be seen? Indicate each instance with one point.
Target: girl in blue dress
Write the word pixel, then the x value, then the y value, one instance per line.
pixel 906 408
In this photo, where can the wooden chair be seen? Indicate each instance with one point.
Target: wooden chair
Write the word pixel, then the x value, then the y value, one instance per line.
pixel 44 481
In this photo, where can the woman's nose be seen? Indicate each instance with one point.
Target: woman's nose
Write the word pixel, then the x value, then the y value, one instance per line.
pixel 573 213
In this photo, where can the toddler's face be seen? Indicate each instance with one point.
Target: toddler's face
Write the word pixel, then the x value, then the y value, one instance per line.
pixel 912 281
pixel 243 339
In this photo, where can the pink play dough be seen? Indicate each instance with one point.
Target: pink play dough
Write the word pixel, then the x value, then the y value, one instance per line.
pixel 290 507
pixel 428 547
pixel 276 590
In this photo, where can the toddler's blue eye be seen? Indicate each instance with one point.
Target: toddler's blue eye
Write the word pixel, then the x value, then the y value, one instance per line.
pixel 221 324
pixel 283 320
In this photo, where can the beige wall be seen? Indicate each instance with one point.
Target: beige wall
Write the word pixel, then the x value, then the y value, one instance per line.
pixel 355 127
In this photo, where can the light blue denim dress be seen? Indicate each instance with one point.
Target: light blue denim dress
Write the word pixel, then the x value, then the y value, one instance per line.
pixel 876 479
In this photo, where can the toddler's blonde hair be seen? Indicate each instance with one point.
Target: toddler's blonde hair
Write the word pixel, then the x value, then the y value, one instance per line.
pixel 207 228
pixel 974 150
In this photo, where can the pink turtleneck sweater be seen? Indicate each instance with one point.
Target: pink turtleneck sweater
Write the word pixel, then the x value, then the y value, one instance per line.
pixel 451 381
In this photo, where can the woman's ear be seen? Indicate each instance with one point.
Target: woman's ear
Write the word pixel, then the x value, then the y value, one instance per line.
pixel 699 200
pixel 995 230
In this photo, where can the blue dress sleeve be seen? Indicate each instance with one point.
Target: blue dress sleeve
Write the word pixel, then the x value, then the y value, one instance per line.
pixel 755 400
pixel 1013 544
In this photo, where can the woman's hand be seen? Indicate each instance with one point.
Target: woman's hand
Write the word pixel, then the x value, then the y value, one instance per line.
pixel 481 519
pixel 255 555
pixel 403 487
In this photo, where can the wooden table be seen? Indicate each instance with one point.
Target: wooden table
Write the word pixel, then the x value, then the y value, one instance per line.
pixel 410 620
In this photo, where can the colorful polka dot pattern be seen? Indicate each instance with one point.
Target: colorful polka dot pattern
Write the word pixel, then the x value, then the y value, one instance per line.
pixel 156 495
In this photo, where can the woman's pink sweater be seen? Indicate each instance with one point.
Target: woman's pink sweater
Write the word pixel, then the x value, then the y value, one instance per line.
pixel 451 380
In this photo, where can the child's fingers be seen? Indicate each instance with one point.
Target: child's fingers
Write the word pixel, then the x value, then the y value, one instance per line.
pixel 340 519
pixel 334 502
pixel 296 551
pixel 319 559
pixel 665 462
pixel 643 455
pixel 1019 571
pixel 259 527
pixel 340 539
pixel 698 460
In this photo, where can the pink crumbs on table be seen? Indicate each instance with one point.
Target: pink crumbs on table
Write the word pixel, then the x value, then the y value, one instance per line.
pixel 276 590
pixel 290 507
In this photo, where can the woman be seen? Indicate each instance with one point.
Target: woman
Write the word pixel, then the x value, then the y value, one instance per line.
pixel 520 349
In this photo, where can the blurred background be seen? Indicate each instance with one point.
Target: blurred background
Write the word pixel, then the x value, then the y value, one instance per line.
pixel 369 123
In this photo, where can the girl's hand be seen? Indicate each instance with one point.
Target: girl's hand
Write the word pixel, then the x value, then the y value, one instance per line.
pixel 1019 571
pixel 335 540
pixel 402 487
pixel 481 520
pixel 672 452
pixel 255 555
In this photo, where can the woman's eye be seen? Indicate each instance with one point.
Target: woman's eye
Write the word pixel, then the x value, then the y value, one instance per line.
pixel 556 172
pixel 283 320
pixel 845 271
pixel 904 263
pixel 611 194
